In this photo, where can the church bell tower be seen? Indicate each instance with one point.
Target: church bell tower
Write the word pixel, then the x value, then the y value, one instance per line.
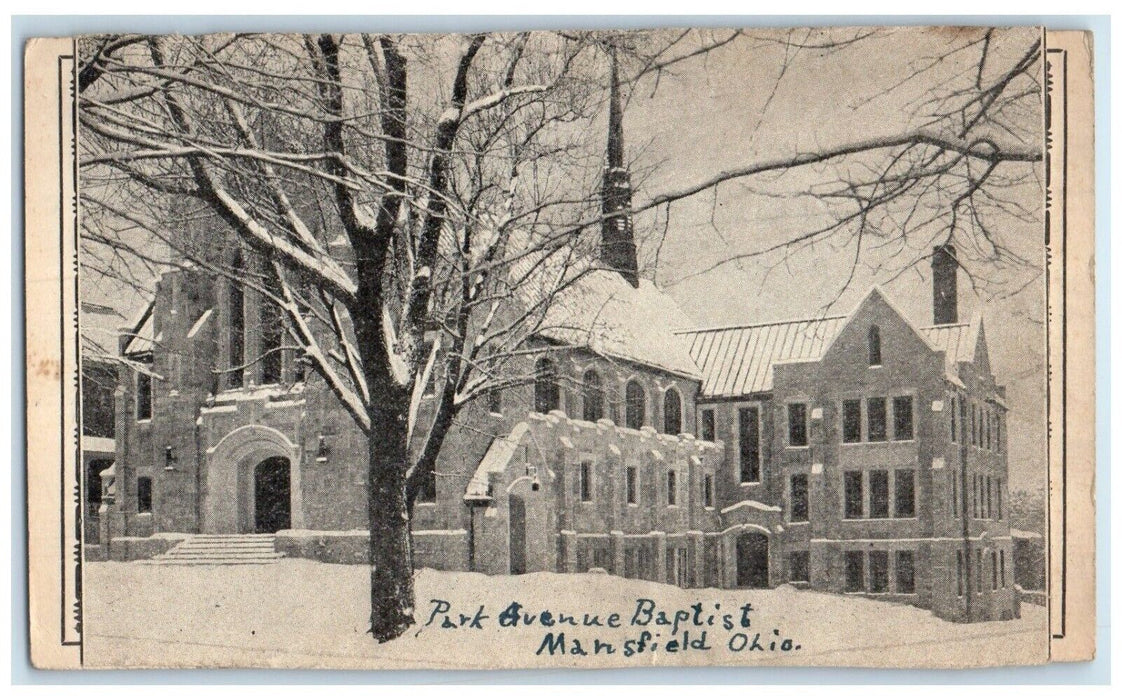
pixel 617 235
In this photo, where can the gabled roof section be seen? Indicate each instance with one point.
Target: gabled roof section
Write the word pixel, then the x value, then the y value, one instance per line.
pixel 604 313
pixel 142 334
pixel 739 360
pixel 961 343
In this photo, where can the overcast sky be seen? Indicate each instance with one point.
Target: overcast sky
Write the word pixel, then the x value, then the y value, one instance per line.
pixel 713 116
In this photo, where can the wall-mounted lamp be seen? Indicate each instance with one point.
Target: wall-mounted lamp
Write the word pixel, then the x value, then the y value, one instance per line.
pixel 170 458
pixel 323 450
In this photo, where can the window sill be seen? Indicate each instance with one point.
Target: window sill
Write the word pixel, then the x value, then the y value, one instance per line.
pixel 750 483
pixel 798 522
pixel 143 421
pixel 798 447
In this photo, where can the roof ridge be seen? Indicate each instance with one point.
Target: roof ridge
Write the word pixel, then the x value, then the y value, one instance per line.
pixel 739 326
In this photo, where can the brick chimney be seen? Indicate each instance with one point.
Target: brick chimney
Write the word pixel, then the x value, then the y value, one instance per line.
pixel 944 284
pixel 617 236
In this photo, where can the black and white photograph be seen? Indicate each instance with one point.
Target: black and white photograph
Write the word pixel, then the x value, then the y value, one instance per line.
pixel 592 348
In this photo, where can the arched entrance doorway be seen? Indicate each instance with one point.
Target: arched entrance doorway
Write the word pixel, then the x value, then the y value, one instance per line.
pixel 272 495
pixel 752 560
pixel 251 483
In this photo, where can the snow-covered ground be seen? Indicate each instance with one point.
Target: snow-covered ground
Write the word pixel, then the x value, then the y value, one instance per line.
pixel 303 613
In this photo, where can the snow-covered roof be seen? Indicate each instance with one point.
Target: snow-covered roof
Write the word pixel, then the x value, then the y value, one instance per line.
pixel 739 360
pixel 142 332
pixel 603 312
pixel 495 461
pixel 957 340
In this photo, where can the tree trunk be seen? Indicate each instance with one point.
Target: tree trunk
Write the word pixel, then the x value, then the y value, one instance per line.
pixel 391 555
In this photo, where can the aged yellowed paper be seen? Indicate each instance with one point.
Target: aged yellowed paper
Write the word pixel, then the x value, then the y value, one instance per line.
pixel 561 349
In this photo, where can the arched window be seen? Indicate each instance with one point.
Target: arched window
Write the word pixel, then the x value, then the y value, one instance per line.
pixel 593 396
pixel 672 412
pixel 636 409
pixel 874 346
pixel 547 397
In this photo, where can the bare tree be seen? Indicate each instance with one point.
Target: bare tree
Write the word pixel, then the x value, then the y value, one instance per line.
pixel 415 204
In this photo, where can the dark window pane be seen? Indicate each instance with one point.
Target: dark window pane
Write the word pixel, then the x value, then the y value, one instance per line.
pixel 798 566
pixel 851 420
pixel 993 570
pixel 636 408
pixel 905 493
pixel 272 335
pixel 796 424
pixel 749 444
pixel 854 507
pixel 954 420
pixel 878 572
pixel 854 571
pixel 708 495
pixel 800 498
pixel 878 494
pixel 671 488
pixel 708 425
pixel 878 420
pixel 672 412
pixel 905 572
pixel 593 396
pixel 143 396
pixel 144 495
pixel 547 396
pixel 902 418
pixel 586 481
pixel 874 346
pixel 632 485
pixel 236 356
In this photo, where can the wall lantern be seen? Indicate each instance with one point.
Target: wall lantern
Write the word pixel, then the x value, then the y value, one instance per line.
pixel 323 450
pixel 170 458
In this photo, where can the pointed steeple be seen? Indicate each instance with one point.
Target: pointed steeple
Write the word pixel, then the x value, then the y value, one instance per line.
pixel 617 236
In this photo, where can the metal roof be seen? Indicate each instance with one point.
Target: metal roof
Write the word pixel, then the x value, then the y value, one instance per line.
pixel 739 360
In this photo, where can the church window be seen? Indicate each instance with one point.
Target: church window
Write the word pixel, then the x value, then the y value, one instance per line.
pixel 672 412
pixel 547 395
pixel 749 436
pixel 636 409
pixel 878 419
pixel 593 409
pixel 708 425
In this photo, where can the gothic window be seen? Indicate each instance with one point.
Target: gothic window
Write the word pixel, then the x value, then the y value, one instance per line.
pixel 272 333
pixel 672 412
pixel 593 409
pixel 547 396
pixel 235 302
pixel 707 495
pixel 671 488
pixel 633 485
pixel 636 409
pixel 874 346
pixel 586 481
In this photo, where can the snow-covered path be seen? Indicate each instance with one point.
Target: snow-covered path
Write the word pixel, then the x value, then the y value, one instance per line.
pixel 299 613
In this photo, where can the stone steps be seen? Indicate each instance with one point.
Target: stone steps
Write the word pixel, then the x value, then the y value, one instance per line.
pixel 220 550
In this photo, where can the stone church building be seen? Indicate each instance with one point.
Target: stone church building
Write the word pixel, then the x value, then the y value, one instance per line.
pixel 861 454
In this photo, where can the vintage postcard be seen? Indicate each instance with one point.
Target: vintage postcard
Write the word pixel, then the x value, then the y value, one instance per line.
pixel 588 349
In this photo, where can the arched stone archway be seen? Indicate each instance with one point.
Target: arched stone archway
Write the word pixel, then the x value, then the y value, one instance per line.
pixel 229 481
